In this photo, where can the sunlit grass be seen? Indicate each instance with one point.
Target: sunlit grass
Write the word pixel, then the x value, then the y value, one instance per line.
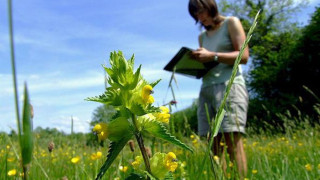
pixel 283 156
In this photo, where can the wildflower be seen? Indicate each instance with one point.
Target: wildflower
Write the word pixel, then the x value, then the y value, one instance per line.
pixel 171 162
pixel 101 130
pixel 192 136
pixel 113 130
pixel 137 161
pixel 308 167
pixel 75 160
pixel 8 147
pixel 10 159
pixel 146 94
pixel 12 172
pixel 216 158
pixel 164 115
pixel 195 142
pixel 95 156
pixel 246 178
pixel 123 168
pixel 204 172
pixel 230 164
pixel 254 171
pixel 229 175
pixel 162 163
pixel 221 144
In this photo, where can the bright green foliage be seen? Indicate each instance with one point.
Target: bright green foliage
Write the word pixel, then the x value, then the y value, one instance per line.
pixel 26 142
pixel 130 95
pixel 114 149
pixel 157 129
pixel 158 165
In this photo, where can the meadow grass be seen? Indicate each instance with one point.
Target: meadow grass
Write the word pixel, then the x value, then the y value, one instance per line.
pixel 295 155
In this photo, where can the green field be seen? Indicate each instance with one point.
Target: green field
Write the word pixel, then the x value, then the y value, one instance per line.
pixel 294 155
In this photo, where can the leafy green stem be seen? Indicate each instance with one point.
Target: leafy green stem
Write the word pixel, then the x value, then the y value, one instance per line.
pixel 139 138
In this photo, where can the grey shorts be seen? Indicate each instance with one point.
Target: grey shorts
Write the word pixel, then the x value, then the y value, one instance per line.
pixel 236 108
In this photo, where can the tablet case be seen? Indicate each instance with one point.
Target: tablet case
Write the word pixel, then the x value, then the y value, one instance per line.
pixel 185 65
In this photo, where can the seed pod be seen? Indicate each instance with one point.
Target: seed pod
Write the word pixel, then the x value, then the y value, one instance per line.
pixel 50 146
pixel 148 151
pixel 131 145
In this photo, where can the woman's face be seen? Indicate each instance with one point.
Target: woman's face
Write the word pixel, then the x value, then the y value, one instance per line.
pixel 204 17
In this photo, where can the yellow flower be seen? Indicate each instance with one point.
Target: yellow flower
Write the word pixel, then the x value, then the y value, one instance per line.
pixel 8 147
pixel 191 136
pixel 12 172
pixel 164 115
pixel 10 159
pixel 123 168
pixel 308 167
pixel 246 178
pixel 221 144
pixel 137 162
pixel 230 164
pixel 171 161
pixel 99 154
pixel 102 131
pixel 319 166
pixel 228 175
pixel 216 158
pixel 95 156
pixel 194 142
pixel 75 160
pixel 146 94
pixel 254 171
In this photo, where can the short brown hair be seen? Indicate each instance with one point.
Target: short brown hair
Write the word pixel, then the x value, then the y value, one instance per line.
pixel 209 5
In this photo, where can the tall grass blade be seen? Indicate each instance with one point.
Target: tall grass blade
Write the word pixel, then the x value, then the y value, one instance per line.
pixel 13 66
pixel 220 114
pixel 26 143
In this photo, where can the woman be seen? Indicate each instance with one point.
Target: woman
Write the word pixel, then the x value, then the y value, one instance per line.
pixel 221 42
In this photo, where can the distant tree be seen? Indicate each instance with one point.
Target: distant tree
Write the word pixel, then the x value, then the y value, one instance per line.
pixel 103 113
pixel 279 82
pixel 275 78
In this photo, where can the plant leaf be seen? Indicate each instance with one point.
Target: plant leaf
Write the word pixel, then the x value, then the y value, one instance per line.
pixel 153 84
pixel 169 176
pixel 135 79
pixel 114 149
pixel 111 97
pixel 134 176
pixel 158 130
pixel 26 141
pixel 137 109
pixel 217 122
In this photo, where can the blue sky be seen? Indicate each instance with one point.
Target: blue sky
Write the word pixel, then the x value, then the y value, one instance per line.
pixel 60 46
